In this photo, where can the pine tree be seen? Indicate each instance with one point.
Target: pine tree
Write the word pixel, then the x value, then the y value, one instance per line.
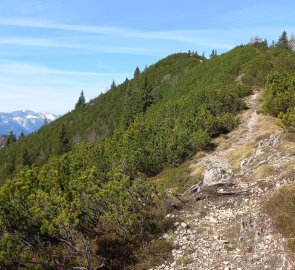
pixel 136 72
pixel 26 157
pixel 137 100
pixel 213 54
pixel 146 93
pixel 113 85
pixel 11 164
pixel 283 41
pixel 81 101
pixel 128 108
pixel 62 144
pixel 11 138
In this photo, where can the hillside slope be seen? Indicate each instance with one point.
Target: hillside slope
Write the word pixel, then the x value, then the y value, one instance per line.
pixel 181 81
pixel 101 116
pixel 96 196
pixel 228 227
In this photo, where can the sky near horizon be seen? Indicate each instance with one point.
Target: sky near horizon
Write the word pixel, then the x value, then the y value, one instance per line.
pixel 50 50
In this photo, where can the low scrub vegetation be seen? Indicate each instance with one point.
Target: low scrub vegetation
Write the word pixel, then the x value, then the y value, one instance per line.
pixel 79 193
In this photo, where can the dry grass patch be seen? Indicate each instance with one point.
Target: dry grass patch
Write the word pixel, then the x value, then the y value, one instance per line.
pixel 289 136
pixel 287 148
pixel 177 180
pixel 288 171
pixel 268 125
pixel 185 260
pixel 281 208
pixel 197 171
pixel 153 254
pixel 237 155
pixel 264 171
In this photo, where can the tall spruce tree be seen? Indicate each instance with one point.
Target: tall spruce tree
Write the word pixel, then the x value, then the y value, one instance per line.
pixel 62 144
pixel 283 41
pixel 137 100
pixel 146 94
pixel 136 72
pixel 213 54
pixel 113 85
pixel 81 101
pixel 26 157
pixel 11 138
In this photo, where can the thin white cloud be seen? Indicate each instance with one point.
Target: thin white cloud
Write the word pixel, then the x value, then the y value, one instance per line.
pixel 198 37
pixel 19 67
pixel 51 43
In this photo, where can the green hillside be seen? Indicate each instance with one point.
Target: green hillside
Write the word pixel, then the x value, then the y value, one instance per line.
pixel 98 118
pixel 77 193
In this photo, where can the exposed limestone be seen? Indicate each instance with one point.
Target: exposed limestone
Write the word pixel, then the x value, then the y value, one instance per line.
pixel 226 231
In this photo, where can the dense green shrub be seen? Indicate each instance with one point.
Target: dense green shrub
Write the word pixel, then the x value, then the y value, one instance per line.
pixel 279 93
pixel 279 98
pixel 83 199
pixel 288 119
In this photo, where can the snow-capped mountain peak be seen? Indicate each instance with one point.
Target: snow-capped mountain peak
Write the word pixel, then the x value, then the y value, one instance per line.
pixel 24 121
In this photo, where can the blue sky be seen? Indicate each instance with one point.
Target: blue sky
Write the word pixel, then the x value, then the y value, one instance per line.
pixel 52 49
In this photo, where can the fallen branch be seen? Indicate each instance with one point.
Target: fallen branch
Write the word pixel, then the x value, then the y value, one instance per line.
pixel 205 194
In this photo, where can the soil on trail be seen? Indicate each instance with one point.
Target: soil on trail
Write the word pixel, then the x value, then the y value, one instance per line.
pixel 227 227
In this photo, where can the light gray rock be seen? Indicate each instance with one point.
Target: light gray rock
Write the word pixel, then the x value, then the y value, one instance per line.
pixel 216 174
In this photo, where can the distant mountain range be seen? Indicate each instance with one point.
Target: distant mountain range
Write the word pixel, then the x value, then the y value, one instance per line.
pixel 24 121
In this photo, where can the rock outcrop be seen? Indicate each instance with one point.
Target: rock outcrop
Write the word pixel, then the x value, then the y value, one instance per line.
pixel 227 228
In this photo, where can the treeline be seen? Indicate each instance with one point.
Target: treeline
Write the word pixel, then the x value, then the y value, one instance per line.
pixel 91 204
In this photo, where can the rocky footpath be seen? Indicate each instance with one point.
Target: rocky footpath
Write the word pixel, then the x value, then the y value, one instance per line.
pixel 226 226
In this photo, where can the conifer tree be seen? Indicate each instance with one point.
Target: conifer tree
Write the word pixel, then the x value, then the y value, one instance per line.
pixel 11 164
pixel 62 144
pixel 136 72
pixel 213 54
pixel 26 157
pixel 128 108
pixel 81 101
pixel 113 85
pixel 283 41
pixel 11 138
pixel 137 100
pixel 147 97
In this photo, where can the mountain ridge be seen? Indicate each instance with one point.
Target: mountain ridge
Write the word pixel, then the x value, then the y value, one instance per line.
pixel 24 121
